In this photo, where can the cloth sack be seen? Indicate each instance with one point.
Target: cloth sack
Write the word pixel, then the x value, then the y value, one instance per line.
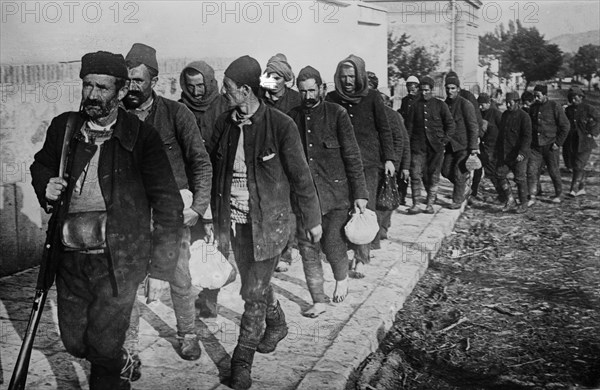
pixel 473 163
pixel 362 228
pixel 208 267
pixel 388 197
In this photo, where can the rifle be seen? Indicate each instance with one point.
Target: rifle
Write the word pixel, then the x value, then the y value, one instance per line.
pixel 46 274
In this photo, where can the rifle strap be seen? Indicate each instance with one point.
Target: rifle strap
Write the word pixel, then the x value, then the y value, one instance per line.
pixel 69 130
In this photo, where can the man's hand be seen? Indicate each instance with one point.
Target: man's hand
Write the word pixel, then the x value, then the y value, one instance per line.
pixel 154 289
pixel 555 146
pixel 520 157
pixel 209 233
pixel 55 187
pixel 389 168
pixel 360 205
pixel 190 217
pixel 404 174
pixel 314 234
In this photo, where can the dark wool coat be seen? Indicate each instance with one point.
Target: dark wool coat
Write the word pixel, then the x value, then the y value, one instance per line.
pixel 333 154
pixel 290 99
pixel 467 130
pixel 429 121
pixel 549 124
pixel 184 146
pixel 372 130
pixel 206 120
pixel 400 137
pixel 407 101
pixel 488 140
pixel 514 136
pixel 135 176
pixel 585 122
pixel 471 98
pixel 277 169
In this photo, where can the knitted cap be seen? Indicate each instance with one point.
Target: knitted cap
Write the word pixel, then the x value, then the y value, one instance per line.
pixel 308 72
pixel 279 64
pixel 527 96
pixel 452 80
pixel 103 62
pixel 541 88
pixel 483 98
pixel 575 91
pixel 512 96
pixel 142 54
pixel 245 71
pixel 426 80
pixel 373 79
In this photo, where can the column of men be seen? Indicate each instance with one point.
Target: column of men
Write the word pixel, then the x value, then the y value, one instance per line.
pixel 239 165
pixel 523 139
pixel 265 168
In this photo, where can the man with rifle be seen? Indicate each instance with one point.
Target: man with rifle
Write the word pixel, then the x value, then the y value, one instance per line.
pixel 116 171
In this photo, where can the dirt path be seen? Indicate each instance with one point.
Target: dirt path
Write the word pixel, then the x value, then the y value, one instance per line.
pixel 511 302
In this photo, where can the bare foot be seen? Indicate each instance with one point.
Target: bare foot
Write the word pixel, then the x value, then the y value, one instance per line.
pixel 341 290
pixel 315 310
pixel 356 270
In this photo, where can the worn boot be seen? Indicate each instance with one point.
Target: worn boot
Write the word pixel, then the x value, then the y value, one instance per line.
pixel 415 207
pixel 241 368
pixel 523 191
pixel 431 197
pixel 509 205
pixel 458 196
pixel 190 348
pixel 275 331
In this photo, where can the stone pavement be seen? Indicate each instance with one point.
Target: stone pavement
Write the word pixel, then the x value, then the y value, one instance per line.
pixel 318 353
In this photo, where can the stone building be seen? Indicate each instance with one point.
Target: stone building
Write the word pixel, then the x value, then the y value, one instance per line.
pixel 448 28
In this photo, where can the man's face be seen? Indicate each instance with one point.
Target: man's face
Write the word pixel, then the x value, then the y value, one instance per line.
pixel 452 91
pixel 310 92
pixel 426 91
pixel 233 93
pixel 575 100
pixel 484 106
pixel 512 105
pixel 412 88
pixel 99 96
pixel 195 85
pixel 279 82
pixel 140 88
pixel 527 103
pixel 540 97
pixel 348 79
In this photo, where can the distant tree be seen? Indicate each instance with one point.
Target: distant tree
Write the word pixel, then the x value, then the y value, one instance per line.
pixel 405 58
pixel 493 45
pixel 566 69
pixel 528 52
pixel 586 62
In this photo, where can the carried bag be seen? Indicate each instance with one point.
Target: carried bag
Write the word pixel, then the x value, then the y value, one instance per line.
pixel 84 231
pixel 362 228
pixel 473 163
pixel 208 267
pixel 388 197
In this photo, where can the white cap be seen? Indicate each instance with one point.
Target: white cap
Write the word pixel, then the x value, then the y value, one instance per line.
pixel 412 79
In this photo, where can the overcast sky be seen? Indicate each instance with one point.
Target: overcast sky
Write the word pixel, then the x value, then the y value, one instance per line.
pixel 551 18
pixel 38 32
